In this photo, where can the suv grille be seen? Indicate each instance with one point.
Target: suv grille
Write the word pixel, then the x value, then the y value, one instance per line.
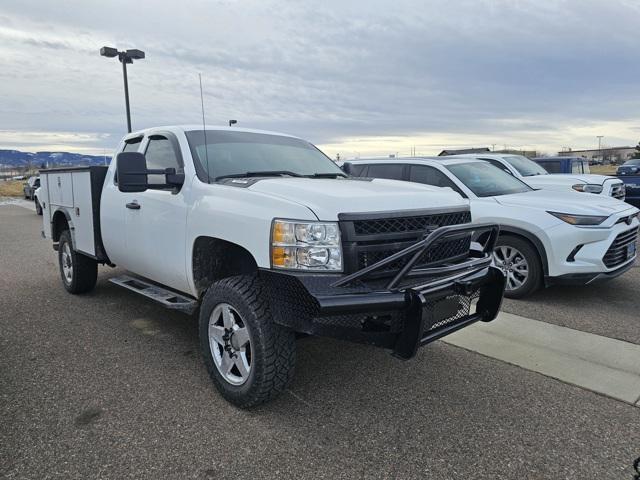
pixel 618 191
pixel 617 253
pixel 369 240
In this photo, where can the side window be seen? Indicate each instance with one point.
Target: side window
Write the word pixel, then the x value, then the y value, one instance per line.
pixel 132 145
pixel 160 155
pixel 356 170
pixel 552 166
pixel 431 176
pixel 392 171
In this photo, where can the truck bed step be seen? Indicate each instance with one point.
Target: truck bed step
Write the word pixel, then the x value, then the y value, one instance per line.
pixel 167 298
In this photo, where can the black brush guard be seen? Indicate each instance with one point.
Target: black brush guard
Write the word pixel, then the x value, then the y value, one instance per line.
pixel 321 305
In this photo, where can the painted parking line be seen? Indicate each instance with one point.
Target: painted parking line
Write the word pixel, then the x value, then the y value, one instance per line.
pixel 18 202
pixel 604 365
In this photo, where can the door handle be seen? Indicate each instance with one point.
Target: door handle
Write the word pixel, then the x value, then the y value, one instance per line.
pixel 133 205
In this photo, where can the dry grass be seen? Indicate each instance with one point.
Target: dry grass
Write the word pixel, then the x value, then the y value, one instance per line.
pixel 11 188
pixel 603 169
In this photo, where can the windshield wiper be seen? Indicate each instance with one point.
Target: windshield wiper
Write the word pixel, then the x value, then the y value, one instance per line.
pixel 327 175
pixel 266 173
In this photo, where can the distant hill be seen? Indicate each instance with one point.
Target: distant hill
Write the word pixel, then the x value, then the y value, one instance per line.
pixel 16 158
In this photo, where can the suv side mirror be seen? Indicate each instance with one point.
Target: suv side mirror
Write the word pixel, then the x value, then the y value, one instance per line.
pixel 131 168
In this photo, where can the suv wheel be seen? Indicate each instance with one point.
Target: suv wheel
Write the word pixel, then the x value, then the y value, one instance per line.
pixel 79 273
pixel 38 207
pixel 249 358
pixel 520 263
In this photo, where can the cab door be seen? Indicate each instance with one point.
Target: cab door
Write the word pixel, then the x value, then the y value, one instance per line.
pixel 155 220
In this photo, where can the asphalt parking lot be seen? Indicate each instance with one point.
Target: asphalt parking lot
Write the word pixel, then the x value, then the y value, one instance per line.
pixel 109 385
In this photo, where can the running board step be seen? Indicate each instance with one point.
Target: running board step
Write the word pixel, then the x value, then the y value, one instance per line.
pixel 167 298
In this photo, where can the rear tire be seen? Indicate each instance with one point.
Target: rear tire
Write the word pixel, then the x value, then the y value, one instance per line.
pixel 79 273
pixel 38 207
pixel 521 264
pixel 250 359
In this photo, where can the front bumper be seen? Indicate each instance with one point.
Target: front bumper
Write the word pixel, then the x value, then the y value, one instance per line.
pixel 588 278
pixel 401 315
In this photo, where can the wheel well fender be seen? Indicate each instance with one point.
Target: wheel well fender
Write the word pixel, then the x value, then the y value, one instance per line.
pixel 213 259
pixel 60 222
pixel 532 239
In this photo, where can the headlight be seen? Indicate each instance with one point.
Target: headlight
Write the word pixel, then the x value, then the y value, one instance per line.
pixel 579 219
pixel 587 188
pixel 306 245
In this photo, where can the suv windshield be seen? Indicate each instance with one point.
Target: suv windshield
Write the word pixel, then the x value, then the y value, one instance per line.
pixel 524 166
pixel 485 180
pixel 235 154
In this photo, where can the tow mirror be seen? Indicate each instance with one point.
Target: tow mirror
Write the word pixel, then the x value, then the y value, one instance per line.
pixel 131 168
pixel 132 171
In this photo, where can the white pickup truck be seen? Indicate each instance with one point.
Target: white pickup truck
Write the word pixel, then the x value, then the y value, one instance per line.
pixel 265 237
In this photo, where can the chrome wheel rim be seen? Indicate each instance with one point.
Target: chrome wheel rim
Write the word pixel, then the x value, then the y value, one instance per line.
pixel 513 264
pixel 67 263
pixel 230 344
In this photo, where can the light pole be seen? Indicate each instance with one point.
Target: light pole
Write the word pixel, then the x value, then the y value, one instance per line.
pixel 599 137
pixel 125 56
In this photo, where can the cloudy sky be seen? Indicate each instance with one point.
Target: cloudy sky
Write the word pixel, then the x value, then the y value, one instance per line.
pixel 363 77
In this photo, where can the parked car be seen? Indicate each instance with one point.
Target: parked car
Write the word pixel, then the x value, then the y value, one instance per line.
pixel 30 187
pixel 536 176
pixel 546 237
pixel 630 167
pixel 265 236
pixel 629 173
pixel 36 196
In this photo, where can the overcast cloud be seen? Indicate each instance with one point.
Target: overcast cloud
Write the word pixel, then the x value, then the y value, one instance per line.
pixel 365 77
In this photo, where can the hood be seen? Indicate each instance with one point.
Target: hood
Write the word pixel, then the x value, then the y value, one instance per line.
pixel 566 179
pixel 329 197
pixel 565 202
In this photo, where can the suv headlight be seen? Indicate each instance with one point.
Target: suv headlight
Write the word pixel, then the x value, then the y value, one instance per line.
pixel 587 188
pixel 306 245
pixel 580 220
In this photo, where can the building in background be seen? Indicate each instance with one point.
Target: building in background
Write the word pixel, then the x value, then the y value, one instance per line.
pixel 603 155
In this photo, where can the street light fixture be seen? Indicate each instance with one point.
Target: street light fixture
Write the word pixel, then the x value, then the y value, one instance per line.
pixel 125 56
pixel 232 122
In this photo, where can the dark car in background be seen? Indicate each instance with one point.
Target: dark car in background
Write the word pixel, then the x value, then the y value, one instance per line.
pixel 629 173
pixel 30 187
pixel 630 167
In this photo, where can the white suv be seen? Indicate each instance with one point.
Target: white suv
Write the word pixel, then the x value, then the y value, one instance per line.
pixel 546 237
pixel 536 176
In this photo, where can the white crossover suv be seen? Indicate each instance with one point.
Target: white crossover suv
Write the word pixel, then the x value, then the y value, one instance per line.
pixel 546 237
pixel 537 177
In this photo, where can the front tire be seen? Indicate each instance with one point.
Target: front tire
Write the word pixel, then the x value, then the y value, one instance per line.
pixel 79 273
pixel 250 359
pixel 520 263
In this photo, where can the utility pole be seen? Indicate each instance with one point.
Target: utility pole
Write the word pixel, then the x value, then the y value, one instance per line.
pixel 599 137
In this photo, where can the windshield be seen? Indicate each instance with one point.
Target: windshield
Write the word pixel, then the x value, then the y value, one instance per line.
pixel 631 163
pixel 485 180
pixel 524 166
pixel 229 153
